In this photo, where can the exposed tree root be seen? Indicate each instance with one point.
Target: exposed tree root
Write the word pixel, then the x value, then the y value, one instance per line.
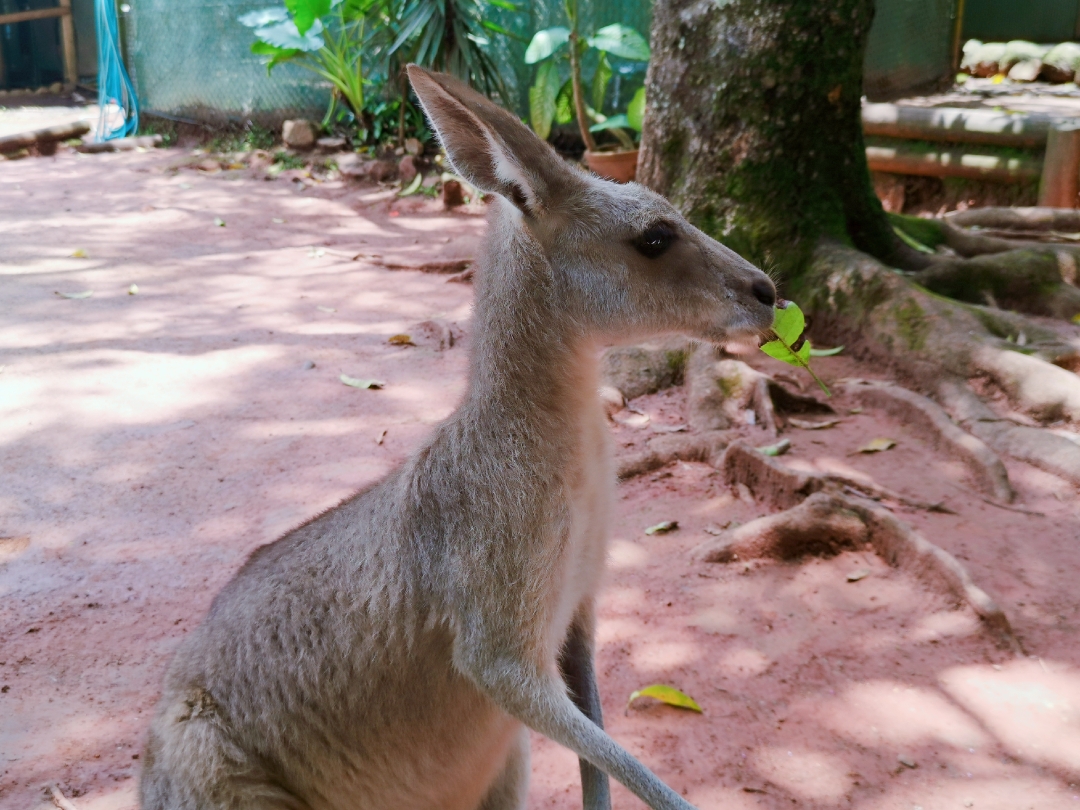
pixel 662 450
pixel 878 313
pixel 824 523
pixel 1039 219
pixel 785 487
pixel 927 417
pixel 1038 447
pixel 1028 281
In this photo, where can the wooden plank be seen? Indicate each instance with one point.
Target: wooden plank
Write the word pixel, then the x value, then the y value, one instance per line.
pixel 1061 168
pixel 952 162
pixel 67 40
pixel 35 14
pixel 61 132
pixel 958 125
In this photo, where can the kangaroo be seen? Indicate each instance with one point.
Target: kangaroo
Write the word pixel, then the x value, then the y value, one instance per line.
pixel 393 652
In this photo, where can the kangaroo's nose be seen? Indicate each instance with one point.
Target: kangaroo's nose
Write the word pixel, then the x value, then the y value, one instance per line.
pixel 764 291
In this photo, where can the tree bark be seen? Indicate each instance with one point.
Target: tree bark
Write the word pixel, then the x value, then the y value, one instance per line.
pixel 753 127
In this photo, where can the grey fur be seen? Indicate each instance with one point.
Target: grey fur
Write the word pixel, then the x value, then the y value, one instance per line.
pixel 391 652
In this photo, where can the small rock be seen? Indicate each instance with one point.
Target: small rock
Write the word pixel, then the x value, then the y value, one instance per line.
pixel 41 91
pixel 406 169
pixel 350 165
pixel 1026 70
pixel 413 147
pixel 208 165
pixel 968 803
pixel 453 194
pixel 435 333
pixel 298 133
pixel 907 761
pixel 308 365
pixel 56 87
pixel 330 144
pixel 381 170
pixel 611 400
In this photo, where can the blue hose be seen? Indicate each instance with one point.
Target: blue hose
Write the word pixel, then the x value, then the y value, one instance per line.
pixel 114 84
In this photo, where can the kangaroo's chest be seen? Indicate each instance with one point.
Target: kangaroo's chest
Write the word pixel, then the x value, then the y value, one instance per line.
pixel 590 491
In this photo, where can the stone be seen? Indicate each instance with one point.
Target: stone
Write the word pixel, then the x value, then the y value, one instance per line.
pixel 298 133
pixel 56 87
pixel 406 169
pixel 350 165
pixel 413 147
pixel 330 144
pixel 381 170
pixel 1026 70
pixel 645 368
pixel 453 194
pixel 208 165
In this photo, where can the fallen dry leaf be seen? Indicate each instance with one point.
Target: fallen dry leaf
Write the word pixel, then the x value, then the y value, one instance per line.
pixel 806 424
pixel 358 383
pixel 665 694
pixel 400 340
pixel 663 527
pixel 877 445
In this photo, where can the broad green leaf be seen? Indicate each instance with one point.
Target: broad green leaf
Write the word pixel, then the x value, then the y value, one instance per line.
pixel 615 122
pixel 877 445
pixel 600 82
pixel 826 352
pixel 635 113
pixel 267 16
pixel 413 187
pixel 545 43
pixel 788 322
pixel 663 527
pixel 622 41
pixel 503 4
pixel 666 694
pixel 286 35
pixel 76 296
pixel 777 449
pixel 356 383
pixel 306 12
pixel 277 55
pixel 564 103
pixel 542 97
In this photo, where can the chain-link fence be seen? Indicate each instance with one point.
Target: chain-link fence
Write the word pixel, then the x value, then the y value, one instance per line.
pixel 193 59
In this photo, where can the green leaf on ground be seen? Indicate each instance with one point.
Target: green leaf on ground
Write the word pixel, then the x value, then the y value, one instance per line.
pixel 877 445
pixel 76 296
pixel 777 449
pixel 357 383
pixel 911 241
pixel 133 289
pixel 665 694
pixel 413 187
pixel 219 222
pixel 663 527
pixel 78 253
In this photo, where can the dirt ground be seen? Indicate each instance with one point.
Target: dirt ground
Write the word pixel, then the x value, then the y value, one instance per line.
pixel 150 441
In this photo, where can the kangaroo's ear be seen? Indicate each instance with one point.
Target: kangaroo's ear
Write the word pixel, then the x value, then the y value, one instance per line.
pixel 490 147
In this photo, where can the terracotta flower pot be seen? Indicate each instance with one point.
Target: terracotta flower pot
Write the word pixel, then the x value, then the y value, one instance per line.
pixel 618 166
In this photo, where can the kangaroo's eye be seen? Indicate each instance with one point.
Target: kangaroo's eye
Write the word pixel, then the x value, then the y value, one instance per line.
pixel 655 239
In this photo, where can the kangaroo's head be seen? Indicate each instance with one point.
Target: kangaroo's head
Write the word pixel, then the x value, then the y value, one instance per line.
pixel 625 263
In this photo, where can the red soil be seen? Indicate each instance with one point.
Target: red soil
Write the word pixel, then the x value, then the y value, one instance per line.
pixel 149 442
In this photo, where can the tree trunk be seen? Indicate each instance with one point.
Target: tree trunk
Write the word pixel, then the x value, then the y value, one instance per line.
pixel 753 127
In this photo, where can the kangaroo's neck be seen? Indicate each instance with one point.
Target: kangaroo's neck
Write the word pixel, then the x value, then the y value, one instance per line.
pixel 531 364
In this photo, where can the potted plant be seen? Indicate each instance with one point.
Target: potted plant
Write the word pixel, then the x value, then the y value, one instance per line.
pixel 552 100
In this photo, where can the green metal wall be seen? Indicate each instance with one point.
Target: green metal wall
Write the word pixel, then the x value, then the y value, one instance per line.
pixel 910 47
pixel 1034 20
pixel 192 59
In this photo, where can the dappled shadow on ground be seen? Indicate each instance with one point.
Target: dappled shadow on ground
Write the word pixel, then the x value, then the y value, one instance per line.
pixel 149 442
